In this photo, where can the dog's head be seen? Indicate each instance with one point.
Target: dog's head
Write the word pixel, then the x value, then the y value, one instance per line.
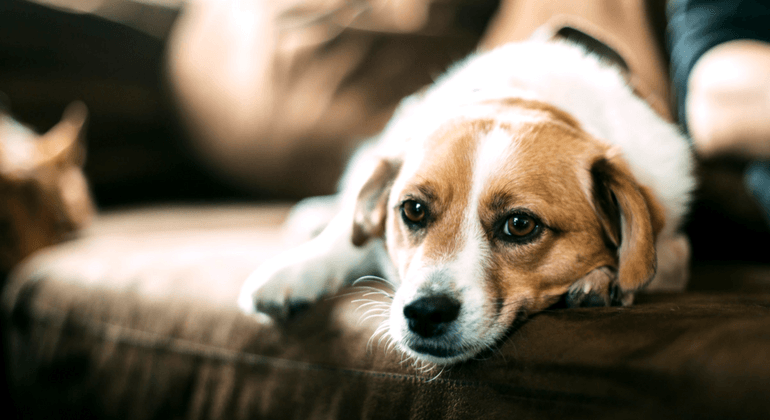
pixel 488 220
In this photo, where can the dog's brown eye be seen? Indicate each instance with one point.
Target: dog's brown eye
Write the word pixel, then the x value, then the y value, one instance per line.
pixel 519 225
pixel 413 212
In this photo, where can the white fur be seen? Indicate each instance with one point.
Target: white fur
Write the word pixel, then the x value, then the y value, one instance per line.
pixel 565 76
pixel 559 74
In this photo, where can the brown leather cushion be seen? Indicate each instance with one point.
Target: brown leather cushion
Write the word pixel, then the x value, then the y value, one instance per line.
pixel 138 320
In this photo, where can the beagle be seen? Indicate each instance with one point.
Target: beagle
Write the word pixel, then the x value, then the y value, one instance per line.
pixel 527 175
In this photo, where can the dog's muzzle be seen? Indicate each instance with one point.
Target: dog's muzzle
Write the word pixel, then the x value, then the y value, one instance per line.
pixel 432 319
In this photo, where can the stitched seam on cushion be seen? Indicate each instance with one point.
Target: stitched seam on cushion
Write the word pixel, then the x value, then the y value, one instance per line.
pixel 123 335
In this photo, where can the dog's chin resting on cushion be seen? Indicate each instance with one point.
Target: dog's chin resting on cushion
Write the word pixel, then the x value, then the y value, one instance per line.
pixel 525 176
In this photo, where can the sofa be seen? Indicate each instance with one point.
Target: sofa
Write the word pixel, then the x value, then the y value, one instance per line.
pixel 136 319
pixel 134 316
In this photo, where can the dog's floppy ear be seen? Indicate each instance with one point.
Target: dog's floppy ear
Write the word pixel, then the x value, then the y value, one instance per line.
pixel 630 217
pixel 371 205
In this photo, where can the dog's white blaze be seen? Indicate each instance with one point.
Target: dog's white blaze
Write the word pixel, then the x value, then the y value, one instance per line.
pixel 470 265
pixel 463 274
pixel 493 151
pixel 415 276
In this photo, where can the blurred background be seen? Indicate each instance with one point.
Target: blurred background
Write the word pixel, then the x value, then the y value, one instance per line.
pixel 109 54
pixel 211 101
pixel 155 135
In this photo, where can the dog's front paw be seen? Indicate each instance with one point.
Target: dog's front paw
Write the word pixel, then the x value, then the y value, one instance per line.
pixel 276 289
pixel 598 288
pixel 285 286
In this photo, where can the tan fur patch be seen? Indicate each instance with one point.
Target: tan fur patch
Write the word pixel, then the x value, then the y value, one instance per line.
pixel 544 179
pixel 553 113
pixel 546 173
pixel 444 181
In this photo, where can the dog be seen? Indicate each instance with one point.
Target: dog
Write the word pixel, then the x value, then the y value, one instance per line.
pixel 526 176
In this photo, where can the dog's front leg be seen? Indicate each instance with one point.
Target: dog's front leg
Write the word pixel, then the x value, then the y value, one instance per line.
pixel 349 247
pixel 300 276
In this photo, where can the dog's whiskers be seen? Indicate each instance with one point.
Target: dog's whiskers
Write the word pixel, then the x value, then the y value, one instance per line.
pixel 369 302
pixel 375 293
pixel 387 337
pixel 342 295
pixel 357 289
pixel 437 375
pixel 374 312
pixel 376 279
pixel 381 330
pixel 405 358
pixel 421 367
pixel 374 315
pixel 375 309
pixel 372 305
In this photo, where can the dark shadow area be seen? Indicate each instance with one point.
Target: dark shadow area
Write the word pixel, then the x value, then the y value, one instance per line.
pixel 136 149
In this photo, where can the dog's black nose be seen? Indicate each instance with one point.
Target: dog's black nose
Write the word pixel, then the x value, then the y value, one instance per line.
pixel 429 316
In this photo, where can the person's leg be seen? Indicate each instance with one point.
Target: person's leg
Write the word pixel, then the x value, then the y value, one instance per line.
pixel 277 94
pixel 728 101
pixel 720 62
pixel 758 183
